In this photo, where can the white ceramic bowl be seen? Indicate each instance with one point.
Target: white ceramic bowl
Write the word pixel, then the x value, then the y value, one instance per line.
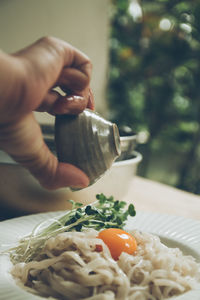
pixel 20 191
pixel 115 182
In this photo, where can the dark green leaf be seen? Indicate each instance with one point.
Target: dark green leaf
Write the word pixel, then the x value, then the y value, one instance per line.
pixel 119 221
pixel 78 227
pixel 131 210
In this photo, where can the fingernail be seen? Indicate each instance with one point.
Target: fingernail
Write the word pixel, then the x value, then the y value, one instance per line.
pixel 77 188
pixel 74 98
pixel 80 185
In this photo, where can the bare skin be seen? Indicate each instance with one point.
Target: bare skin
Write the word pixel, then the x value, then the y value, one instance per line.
pixel 27 79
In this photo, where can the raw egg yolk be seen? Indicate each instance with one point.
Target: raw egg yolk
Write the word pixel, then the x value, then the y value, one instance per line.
pixel 118 241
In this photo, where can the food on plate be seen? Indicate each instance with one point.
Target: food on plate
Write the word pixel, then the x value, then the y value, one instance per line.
pixel 105 213
pixel 75 258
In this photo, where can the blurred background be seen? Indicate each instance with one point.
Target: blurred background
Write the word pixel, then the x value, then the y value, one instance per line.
pixel 154 85
pixel 146 70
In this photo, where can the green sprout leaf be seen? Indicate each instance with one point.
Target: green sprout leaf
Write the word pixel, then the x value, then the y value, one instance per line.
pixel 105 213
pixel 131 210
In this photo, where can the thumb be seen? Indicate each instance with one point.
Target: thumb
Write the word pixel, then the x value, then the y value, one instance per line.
pixel 24 142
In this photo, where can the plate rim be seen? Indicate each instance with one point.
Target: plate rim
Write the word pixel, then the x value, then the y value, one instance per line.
pixel 33 219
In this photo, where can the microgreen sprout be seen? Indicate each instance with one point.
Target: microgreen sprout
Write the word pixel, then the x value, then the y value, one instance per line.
pixel 104 213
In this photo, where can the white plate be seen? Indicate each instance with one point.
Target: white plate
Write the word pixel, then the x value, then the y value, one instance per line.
pixel 174 232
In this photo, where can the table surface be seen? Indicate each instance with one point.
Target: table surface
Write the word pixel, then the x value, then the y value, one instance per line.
pixel 149 196
pixel 152 196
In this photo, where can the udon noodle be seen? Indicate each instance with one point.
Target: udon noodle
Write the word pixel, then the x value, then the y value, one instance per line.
pixel 69 267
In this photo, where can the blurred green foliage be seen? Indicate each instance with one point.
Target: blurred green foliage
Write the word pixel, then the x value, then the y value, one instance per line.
pixel 154 84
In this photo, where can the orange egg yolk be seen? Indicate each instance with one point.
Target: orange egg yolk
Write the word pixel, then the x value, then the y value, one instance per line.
pixel 118 241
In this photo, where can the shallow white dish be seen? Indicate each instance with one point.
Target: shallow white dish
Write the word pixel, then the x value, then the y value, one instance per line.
pixel 174 232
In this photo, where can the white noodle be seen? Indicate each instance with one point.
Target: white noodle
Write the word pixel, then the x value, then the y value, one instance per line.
pixel 69 267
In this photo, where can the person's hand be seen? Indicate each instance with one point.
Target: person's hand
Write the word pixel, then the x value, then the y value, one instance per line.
pixel 27 82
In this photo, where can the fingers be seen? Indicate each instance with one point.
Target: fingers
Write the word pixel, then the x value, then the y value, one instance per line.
pixel 54 103
pixel 69 105
pixel 51 174
pixel 24 142
pixel 73 79
pixel 65 175
pixel 50 62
